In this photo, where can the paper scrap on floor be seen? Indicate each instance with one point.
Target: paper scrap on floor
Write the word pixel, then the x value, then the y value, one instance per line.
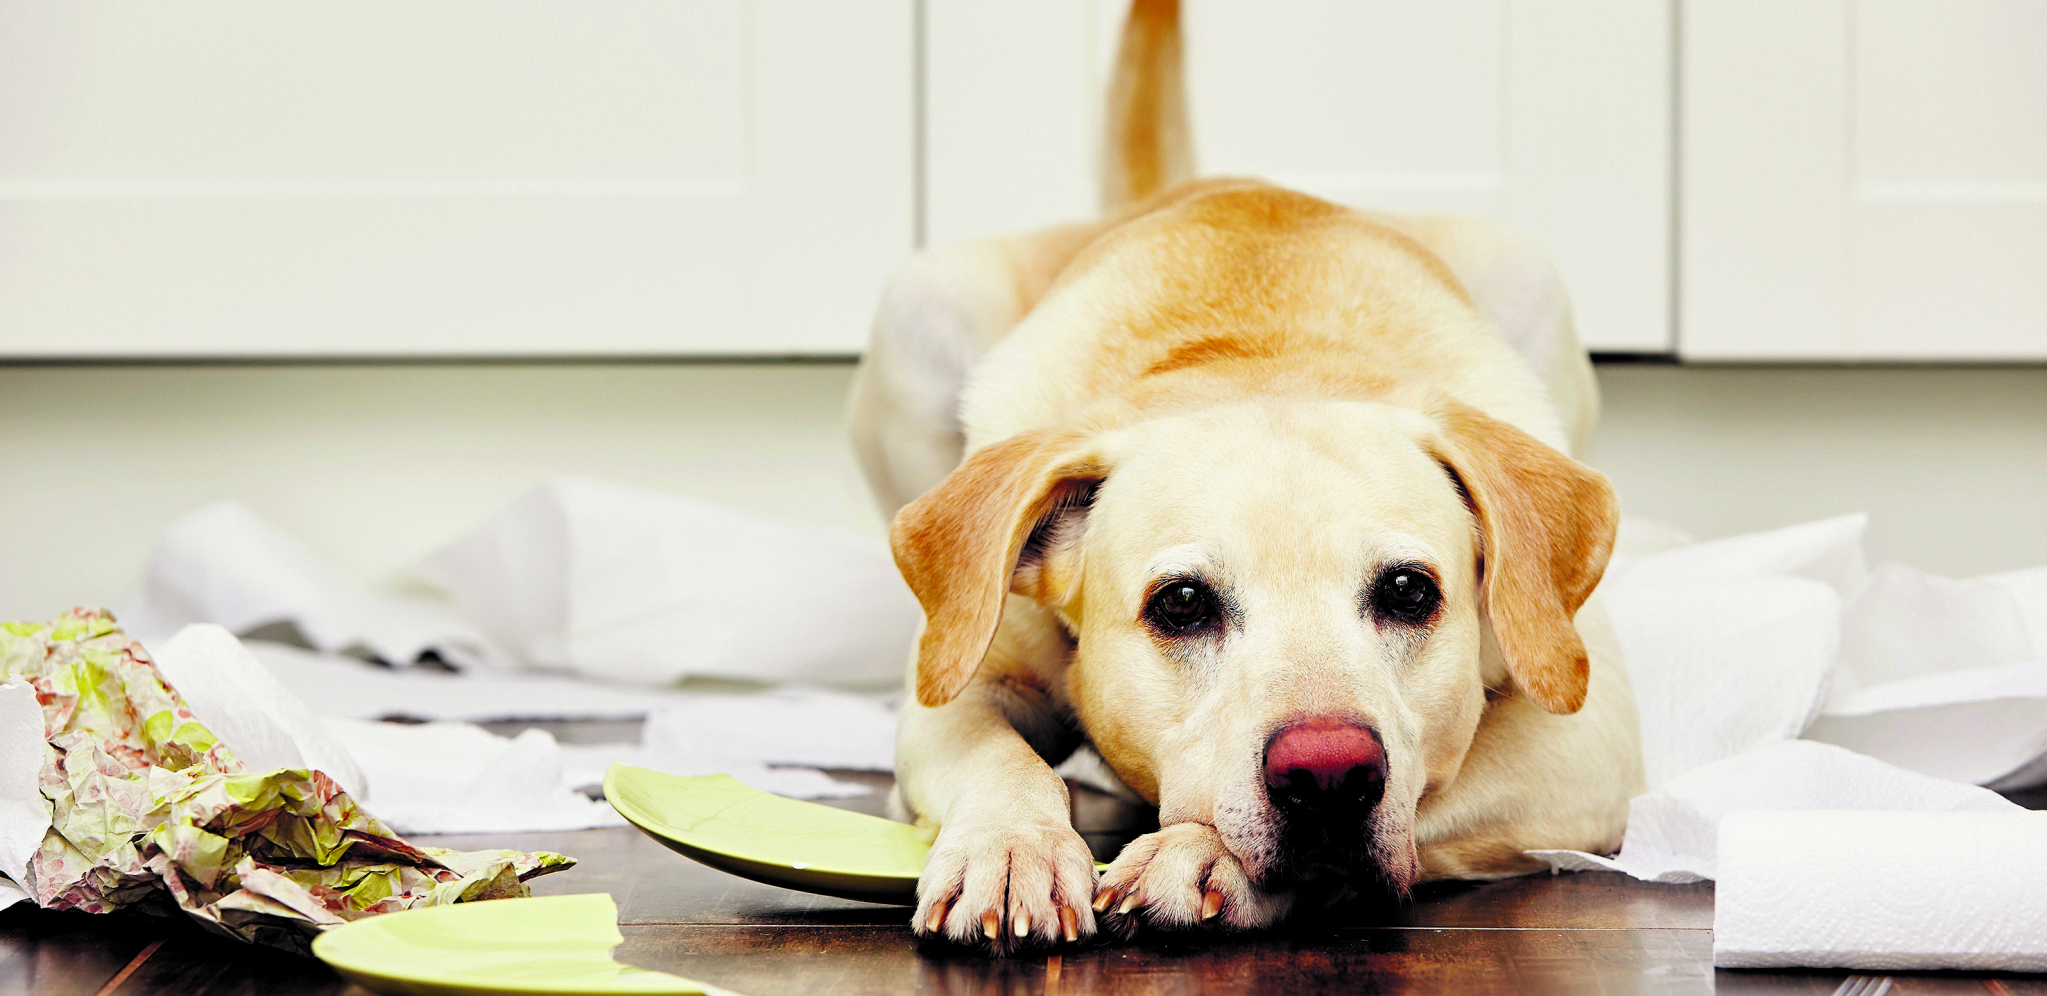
pixel 1910 692
pixel 578 601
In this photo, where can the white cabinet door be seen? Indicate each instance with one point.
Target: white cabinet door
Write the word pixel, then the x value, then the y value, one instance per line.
pixel 1550 114
pixel 461 177
pixel 1864 180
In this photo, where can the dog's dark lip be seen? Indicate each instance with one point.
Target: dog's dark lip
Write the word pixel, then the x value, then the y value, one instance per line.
pixel 1314 855
pixel 1334 882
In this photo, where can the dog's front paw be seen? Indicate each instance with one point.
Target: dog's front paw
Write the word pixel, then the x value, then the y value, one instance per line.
pixel 1007 887
pixel 1183 878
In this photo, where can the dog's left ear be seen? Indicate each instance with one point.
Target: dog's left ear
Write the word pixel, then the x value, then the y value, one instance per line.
pixel 1546 526
pixel 1005 520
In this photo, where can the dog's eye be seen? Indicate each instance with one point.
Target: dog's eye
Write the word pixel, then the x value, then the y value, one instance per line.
pixel 1406 594
pixel 1181 605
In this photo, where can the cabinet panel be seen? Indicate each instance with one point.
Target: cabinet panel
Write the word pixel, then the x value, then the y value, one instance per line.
pixel 1552 116
pixel 1762 225
pixel 236 178
pixel 1864 180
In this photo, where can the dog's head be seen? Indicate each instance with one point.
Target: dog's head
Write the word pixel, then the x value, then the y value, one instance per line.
pixel 1287 616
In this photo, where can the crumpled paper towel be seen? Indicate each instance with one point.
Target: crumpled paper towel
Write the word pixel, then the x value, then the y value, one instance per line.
pixel 1737 646
pixel 773 740
pixel 625 584
pixel 24 813
pixel 222 564
pixel 808 727
pixel 1673 831
pixel 1744 641
pixel 1728 643
pixel 457 778
pixel 147 805
pixel 1946 677
pixel 349 687
pixel 479 782
pixel 238 698
pixel 1882 891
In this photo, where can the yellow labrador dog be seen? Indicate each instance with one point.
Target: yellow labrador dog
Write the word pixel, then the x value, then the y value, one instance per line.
pixel 1269 502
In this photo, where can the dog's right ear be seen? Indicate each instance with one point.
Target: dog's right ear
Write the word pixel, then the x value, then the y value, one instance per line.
pixel 959 546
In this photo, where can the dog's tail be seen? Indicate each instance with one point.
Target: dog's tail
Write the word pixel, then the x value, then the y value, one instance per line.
pixel 1147 148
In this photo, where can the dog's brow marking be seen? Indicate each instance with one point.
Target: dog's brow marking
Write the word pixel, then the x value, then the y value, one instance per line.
pixel 1220 347
pixel 1187 559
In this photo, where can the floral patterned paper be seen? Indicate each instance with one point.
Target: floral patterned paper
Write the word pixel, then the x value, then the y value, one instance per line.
pixel 145 803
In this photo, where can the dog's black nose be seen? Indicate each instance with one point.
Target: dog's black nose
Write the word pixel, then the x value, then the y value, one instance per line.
pixel 1325 766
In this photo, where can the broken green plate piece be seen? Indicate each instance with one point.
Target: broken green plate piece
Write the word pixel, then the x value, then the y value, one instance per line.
pixel 733 827
pixel 546 946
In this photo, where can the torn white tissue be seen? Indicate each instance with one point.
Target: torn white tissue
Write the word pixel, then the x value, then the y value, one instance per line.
pixel 1883 891
pixel 1673 830
pixel 1946 677
pixel 1722 666
pixel 787 725
pixel 771 740
pixel 1984 726
pixel 633 585
pixel 1728 643
pixel 586 765
pixel 24 813
pixel 1909 623
pixel 347 686
pixel 244 706
pixel 430 778
pixel 222 564
pixel 1828 551
pixel 435 778
pixel 813 728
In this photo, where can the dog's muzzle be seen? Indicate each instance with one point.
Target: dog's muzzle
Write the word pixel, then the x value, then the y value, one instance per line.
pixel 1324 776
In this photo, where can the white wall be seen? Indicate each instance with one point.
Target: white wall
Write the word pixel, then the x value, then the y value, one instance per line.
pixel 374 465
pixel 1950 463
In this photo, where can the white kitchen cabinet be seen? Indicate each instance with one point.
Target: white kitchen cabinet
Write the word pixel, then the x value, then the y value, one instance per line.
pixel 462 177
pixel 1790 180
pixel 1863 180
pixel 1554 116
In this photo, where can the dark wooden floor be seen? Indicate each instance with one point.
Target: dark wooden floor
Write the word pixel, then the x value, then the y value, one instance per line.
pixel 1572 933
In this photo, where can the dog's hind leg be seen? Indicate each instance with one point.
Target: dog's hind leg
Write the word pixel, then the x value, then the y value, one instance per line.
pixel 941 312
pixel 1516 285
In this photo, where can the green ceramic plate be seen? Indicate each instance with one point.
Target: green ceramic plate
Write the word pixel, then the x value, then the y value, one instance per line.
pixel 553 945
pixel 722 822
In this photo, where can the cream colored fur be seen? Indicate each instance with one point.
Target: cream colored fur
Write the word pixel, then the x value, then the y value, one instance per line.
pixel 1268 388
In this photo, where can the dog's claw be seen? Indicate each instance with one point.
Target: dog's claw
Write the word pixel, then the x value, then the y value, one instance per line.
pixel 1183 878
pixel 1007 890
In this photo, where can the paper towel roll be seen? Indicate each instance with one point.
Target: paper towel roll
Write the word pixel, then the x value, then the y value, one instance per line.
pixel 1882 890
